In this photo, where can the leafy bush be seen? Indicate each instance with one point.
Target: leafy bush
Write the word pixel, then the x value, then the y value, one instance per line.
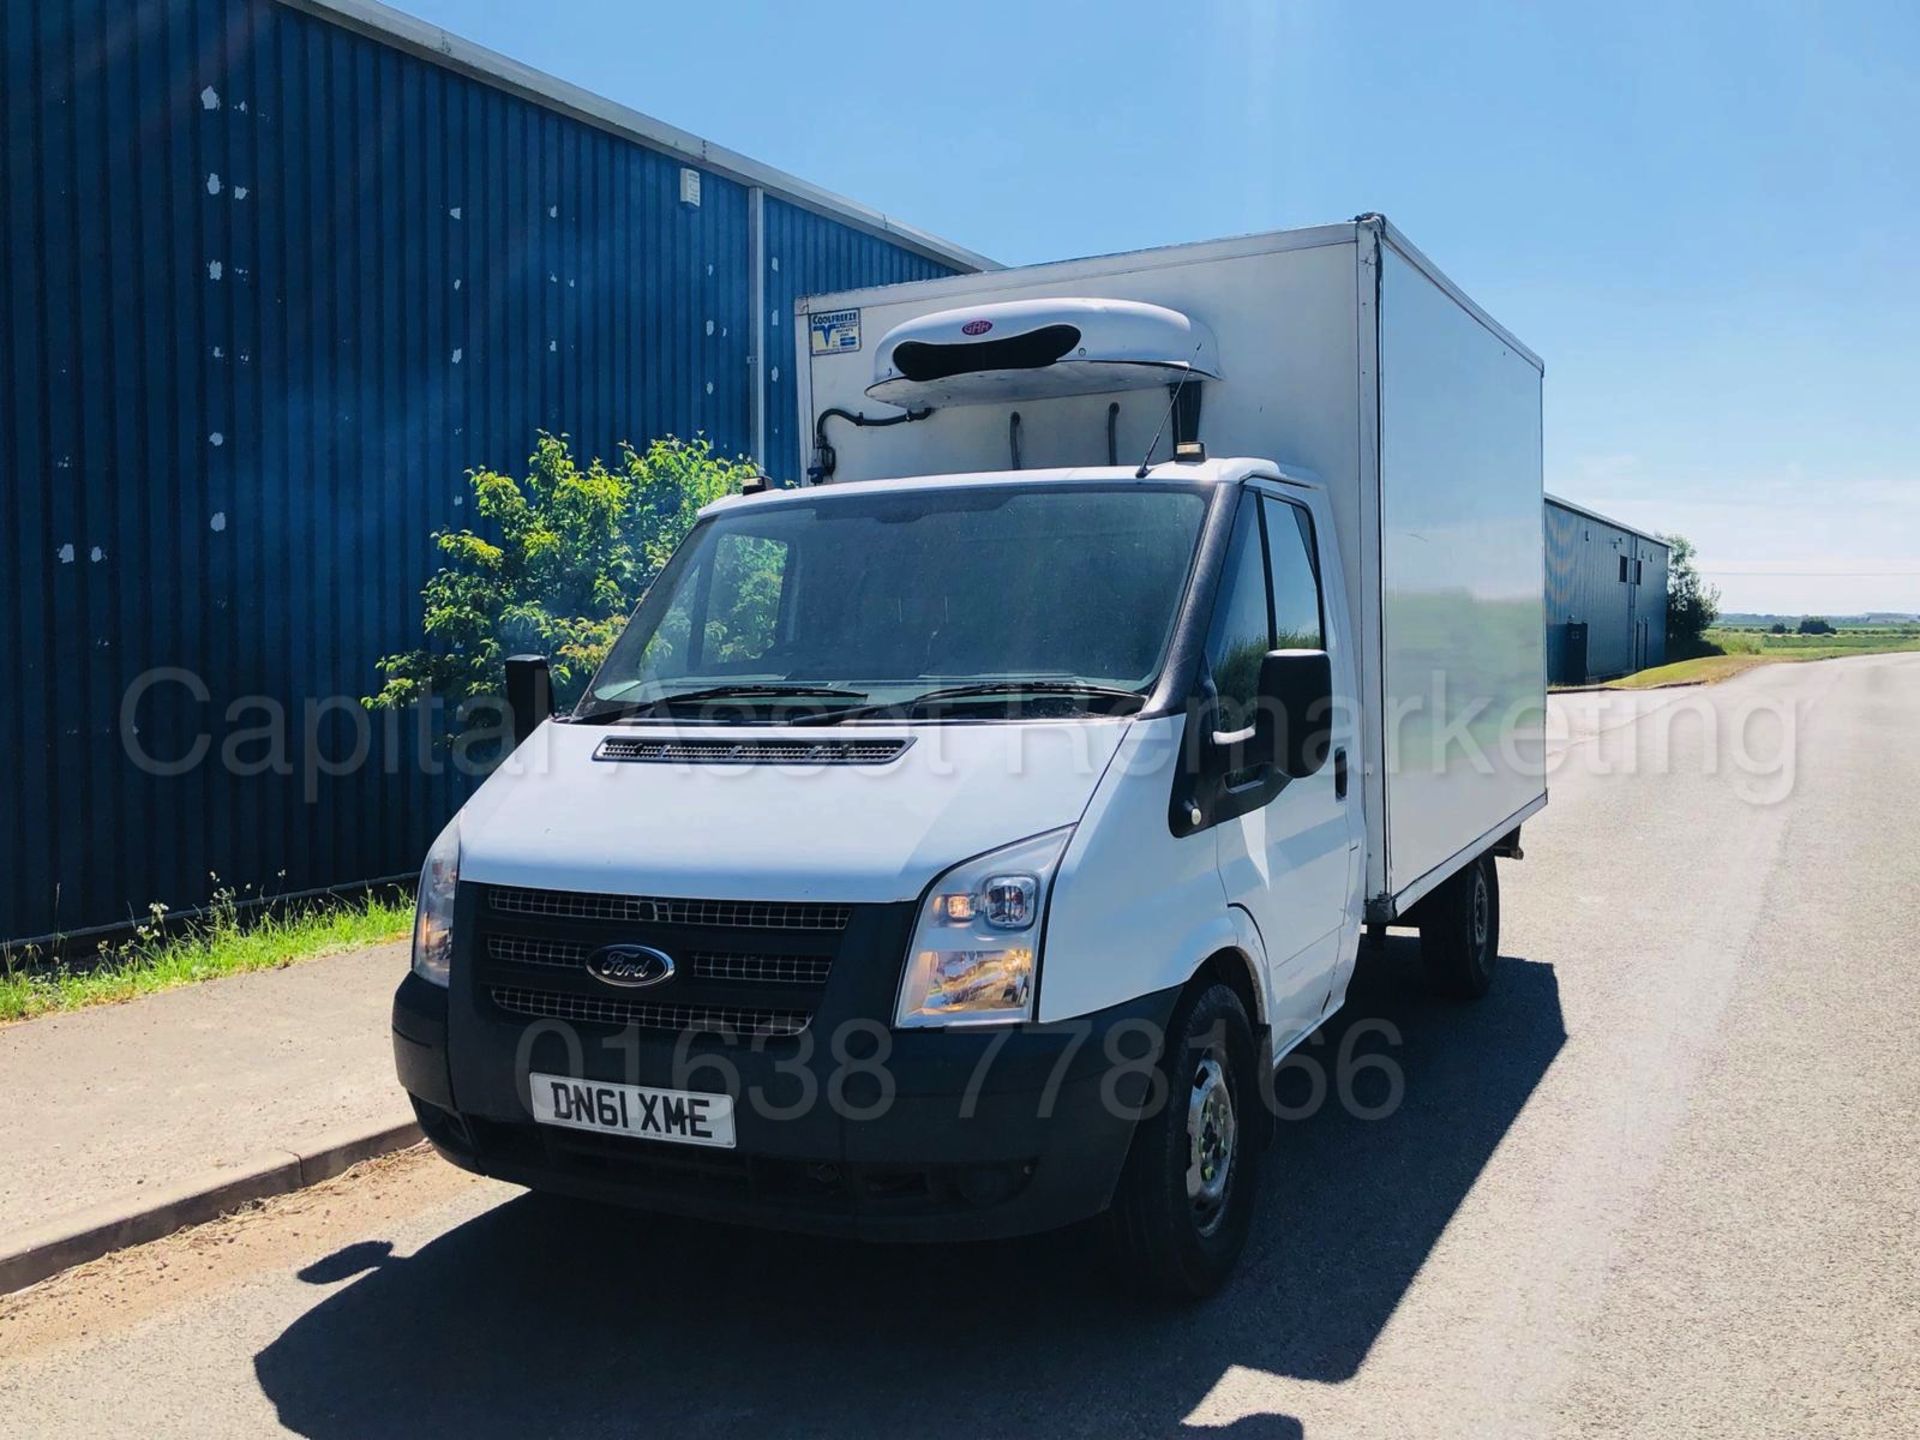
pixel 1692 604
pixel 1814 625
pixel 568 554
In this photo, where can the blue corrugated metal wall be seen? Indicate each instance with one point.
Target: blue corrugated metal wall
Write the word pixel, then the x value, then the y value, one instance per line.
pixel 273 287
pixel 1650 601
pixel 1626 620
pixel 808 256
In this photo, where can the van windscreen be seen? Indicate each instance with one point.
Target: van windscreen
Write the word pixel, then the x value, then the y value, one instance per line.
pixel 884 598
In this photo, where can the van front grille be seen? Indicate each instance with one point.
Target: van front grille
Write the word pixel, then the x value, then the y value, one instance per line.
pixel 709 964
pixel 519 950
pixel 656 910
pixel 746 967
pixel 762 969
pixel 591 1009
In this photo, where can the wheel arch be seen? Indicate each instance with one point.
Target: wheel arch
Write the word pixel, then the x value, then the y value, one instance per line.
pixel 1240 965
pixel 1241 970
pixel 1233 968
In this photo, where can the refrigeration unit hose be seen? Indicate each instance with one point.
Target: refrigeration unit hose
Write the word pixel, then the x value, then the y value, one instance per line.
pixel 825 460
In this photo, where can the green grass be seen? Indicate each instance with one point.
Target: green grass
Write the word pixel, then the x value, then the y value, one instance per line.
pixel 1732 651
pixel 1817 647
pixel 1701 670
pixel 224 943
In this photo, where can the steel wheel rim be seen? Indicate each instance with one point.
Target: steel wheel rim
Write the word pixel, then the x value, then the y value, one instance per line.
pixel 1212 1133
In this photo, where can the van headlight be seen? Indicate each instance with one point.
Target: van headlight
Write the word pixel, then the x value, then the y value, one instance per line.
pixel 433 908
pixel 976 945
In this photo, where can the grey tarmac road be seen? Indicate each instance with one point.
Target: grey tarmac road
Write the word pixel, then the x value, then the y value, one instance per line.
pixel 1662 1182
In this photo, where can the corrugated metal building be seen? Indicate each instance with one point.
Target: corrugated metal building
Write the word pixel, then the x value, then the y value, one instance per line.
pixel 1606 596
pixel 279 272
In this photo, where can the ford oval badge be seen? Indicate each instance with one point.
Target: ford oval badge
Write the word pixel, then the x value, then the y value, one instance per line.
pixel 976 327
pixel 630 966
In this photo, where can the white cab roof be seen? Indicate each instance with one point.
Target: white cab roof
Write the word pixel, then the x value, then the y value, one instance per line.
pixel 1225 471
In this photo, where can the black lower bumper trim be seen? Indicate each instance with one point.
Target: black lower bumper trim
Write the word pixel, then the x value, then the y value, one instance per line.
pixel 974 1134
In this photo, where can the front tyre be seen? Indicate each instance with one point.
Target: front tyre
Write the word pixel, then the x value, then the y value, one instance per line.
pixel 1460 932
pixel 1185 1200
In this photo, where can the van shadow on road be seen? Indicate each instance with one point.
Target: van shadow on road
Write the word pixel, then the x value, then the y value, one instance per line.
pixel 539 1318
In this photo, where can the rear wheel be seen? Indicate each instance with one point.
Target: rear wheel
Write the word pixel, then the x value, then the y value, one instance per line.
pixel 1185 1200
pixel 1460 932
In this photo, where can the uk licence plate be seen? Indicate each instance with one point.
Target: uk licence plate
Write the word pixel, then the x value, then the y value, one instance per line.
pixel 683 1117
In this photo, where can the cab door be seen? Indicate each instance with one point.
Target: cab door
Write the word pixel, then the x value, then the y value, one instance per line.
pixel 1289 858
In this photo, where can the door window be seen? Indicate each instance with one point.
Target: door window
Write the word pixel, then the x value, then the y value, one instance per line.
pixel 1242 628
pixel 1269 599
pixel 1297 622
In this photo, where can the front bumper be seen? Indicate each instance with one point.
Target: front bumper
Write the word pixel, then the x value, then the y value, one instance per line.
pixel 951 1134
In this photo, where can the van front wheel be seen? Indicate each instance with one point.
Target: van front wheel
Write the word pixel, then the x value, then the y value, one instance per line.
pixel 1460 932
pixel 1185 1199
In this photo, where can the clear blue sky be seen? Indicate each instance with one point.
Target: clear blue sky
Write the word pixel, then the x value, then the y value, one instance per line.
pixel 1704 217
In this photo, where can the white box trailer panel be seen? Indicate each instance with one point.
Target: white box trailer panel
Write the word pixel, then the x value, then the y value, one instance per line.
pixel 1342 351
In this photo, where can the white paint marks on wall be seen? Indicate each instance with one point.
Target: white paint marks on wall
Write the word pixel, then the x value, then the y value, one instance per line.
pixel 454 212
pixel 457 353
pixel 213 184
pixel 553 212
pixel 709 267
pixel 774 263
pixel 96 554
pixel 570 282
pixel 709 327
pixel 209 99
pixel 456 283
pixel 709 387
pixel 218 522
pixel 218 353
pixel 553 279
pixel 239 192
pixel 775 320
pixel 553 346
pixel 213 270
pixel 775 377
pixel 66 554
pixel 216 439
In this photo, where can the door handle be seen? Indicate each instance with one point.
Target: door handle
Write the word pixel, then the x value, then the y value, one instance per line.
pixel 1340 774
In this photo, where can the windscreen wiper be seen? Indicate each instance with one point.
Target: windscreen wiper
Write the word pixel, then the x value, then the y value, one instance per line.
pixel 627 710
pixel 984 688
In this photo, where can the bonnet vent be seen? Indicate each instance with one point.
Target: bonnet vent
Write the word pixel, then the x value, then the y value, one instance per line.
pixel 667 751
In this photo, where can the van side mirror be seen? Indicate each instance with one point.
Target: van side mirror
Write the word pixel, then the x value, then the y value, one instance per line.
pixel 529 693
pixel 1293 714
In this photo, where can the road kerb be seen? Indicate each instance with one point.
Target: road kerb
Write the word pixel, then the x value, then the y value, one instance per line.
pixel 34 1255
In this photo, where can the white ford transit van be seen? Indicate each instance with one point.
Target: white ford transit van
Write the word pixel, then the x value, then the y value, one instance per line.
pixel 952 844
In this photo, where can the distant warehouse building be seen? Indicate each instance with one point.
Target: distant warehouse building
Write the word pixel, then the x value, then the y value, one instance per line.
pixel 1606 596
pixel 279 272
